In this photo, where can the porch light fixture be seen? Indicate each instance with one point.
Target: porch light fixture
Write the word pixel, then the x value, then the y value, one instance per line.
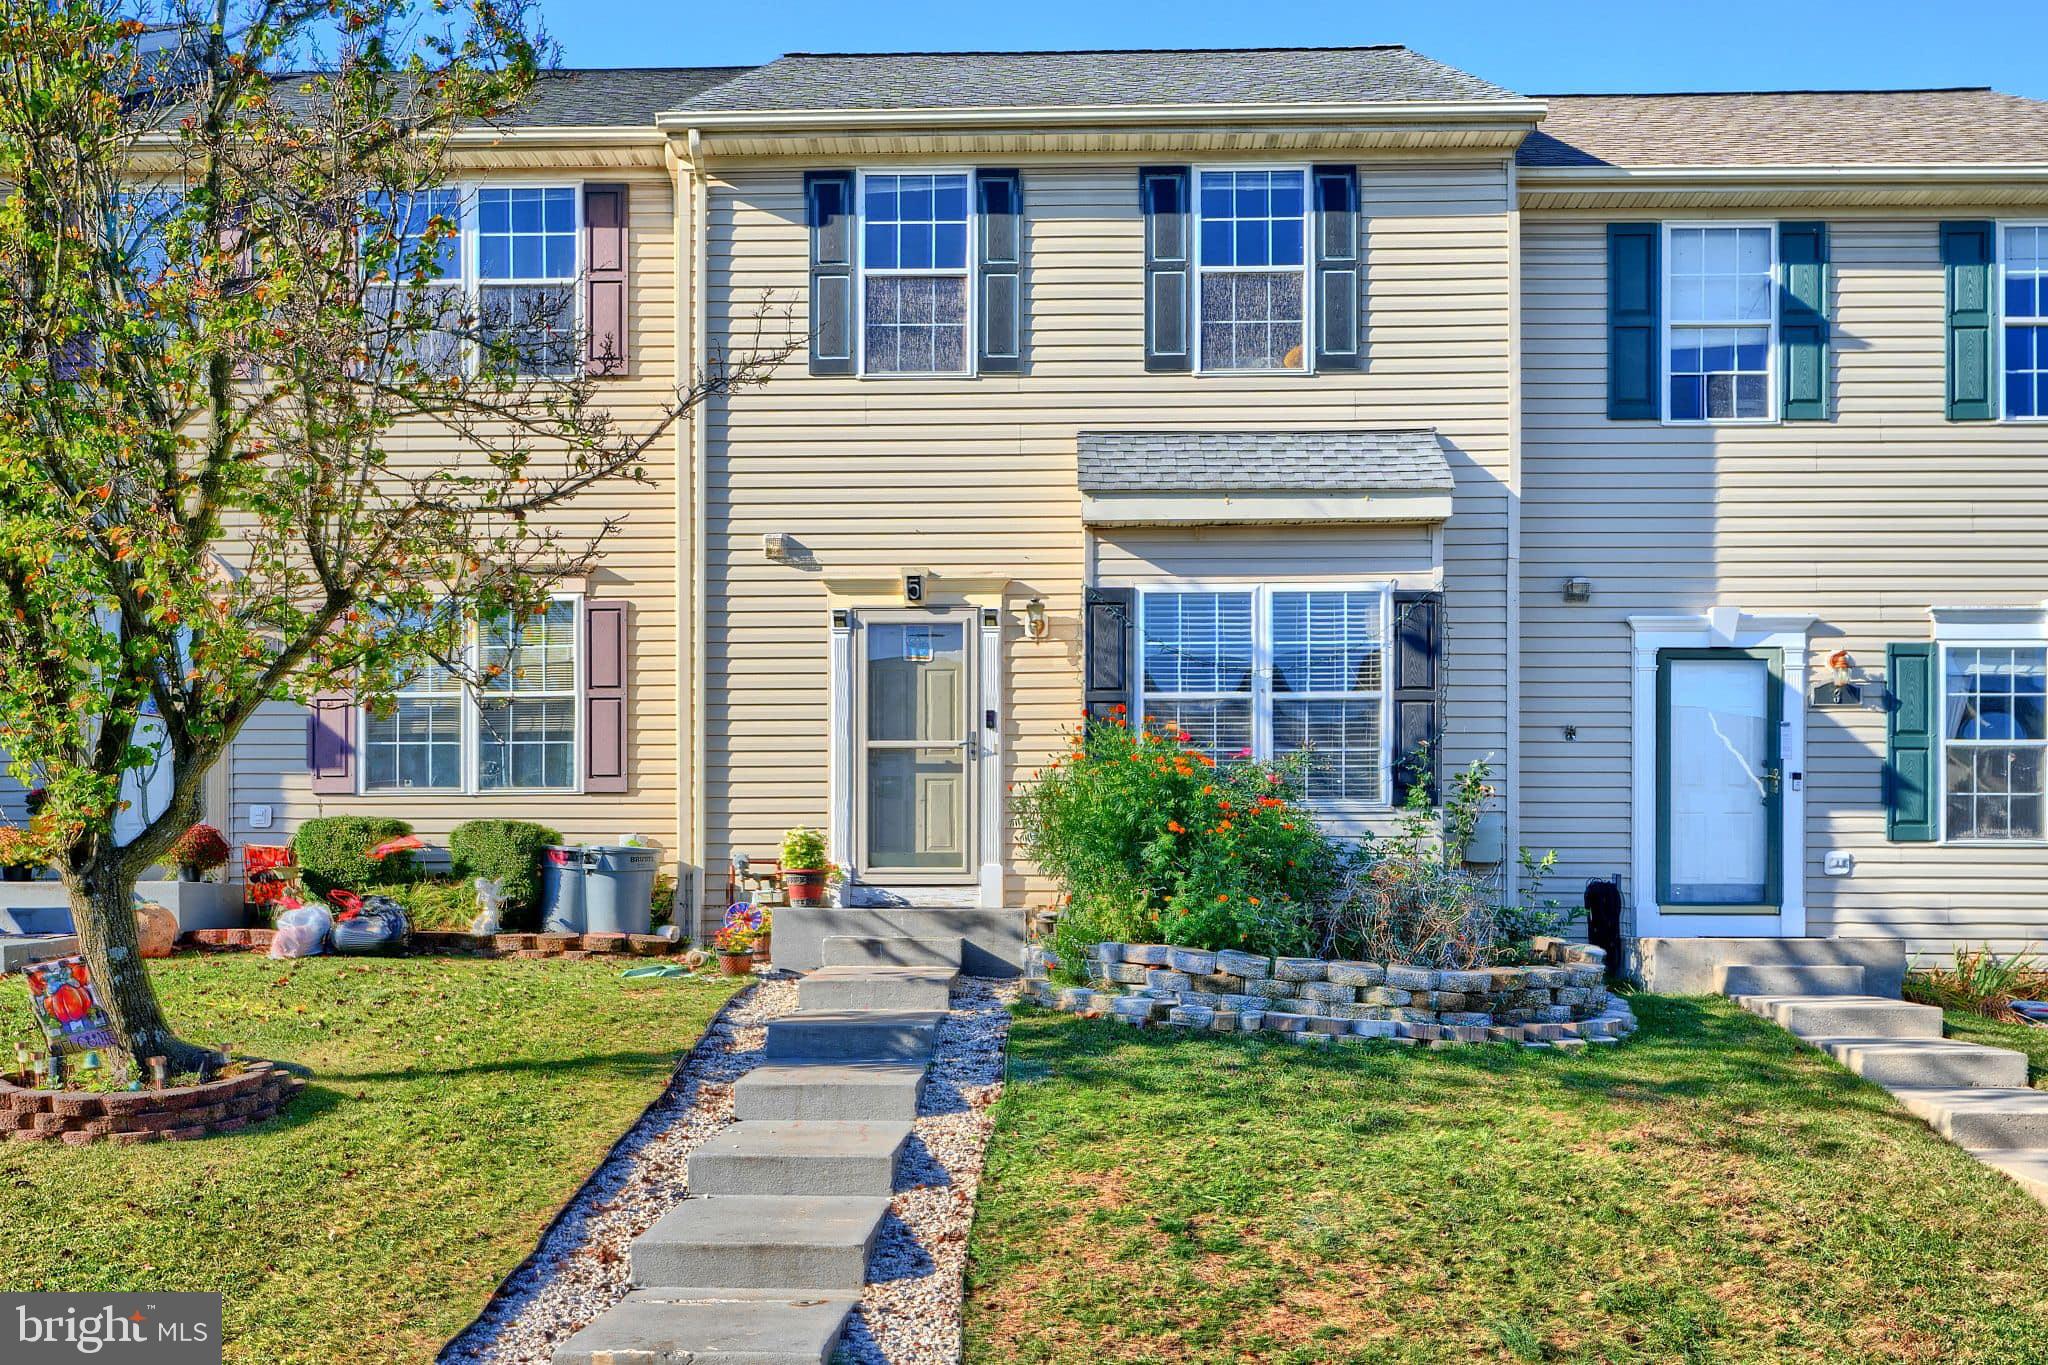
pixel 779 546
pixel 1035 623
pixel 1578 590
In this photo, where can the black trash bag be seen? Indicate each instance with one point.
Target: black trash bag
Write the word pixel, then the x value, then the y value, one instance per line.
pixel 378 927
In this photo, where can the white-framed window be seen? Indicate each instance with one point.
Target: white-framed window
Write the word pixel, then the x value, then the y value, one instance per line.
pixel 2023 314
pixel 518 728
pixel 1265 670
pixel 1993 733
pixel 916 272
pixel 513 261
pixel 1251 275
pixel 1720 322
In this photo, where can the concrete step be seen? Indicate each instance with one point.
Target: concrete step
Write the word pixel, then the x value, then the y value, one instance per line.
pixel 1772 978
pixel 1846 1016
pixel 814 1242
pixel 1983 1117
pixel 828 1089
pixel 803 1157
pixel 854 1035
pixel 1927 1062
pixel 891 950
pixel 1685 966
pixel 714 1326
pixel 2029 1166
pixel 877 988
pixel 991 940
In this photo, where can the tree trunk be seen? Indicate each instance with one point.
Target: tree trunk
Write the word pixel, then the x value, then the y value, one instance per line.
pixel 103 910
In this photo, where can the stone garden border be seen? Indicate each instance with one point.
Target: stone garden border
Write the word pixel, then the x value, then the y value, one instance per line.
pixel 173 1114
pixel 435 943
pixel 1560 1002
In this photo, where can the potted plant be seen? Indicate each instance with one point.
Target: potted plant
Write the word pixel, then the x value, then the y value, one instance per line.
pixel 198 851
pixel 806 866
pixel 17 864
pixel 762 950
pixel 734 945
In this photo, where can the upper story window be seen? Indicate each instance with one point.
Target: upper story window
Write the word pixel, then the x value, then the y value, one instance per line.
pixel 1252 284
pixel 1268 671
pixel 2024 311
pixel 507 255
pixel 1721 315
pixel 914 273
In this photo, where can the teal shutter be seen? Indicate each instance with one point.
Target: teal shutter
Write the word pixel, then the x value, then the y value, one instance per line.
pixel 1000 196
pixel 1635 325
pixel 1909 767
pixel 1418 678
pixel 1340 274
pixel 1163 195
pixel 828 207
pixel 1967 250
pixel 1803 321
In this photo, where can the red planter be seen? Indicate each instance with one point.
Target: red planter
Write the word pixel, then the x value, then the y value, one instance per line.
pixel 736 964
pixel 805 886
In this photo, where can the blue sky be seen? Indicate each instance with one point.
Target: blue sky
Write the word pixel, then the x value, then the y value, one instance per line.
pixel 1535 46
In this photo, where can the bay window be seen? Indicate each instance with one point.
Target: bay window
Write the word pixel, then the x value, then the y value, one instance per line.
pixel 1252 273
pixel 507 723
pixel 1993 732
pixel 1271 670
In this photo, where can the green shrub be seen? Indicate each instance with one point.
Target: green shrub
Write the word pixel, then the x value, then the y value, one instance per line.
pixel 507 851
pixel 1980 982
pixel 1155 841
pixel 333 851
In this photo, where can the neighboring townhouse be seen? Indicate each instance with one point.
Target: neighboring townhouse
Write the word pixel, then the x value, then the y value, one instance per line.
pixel 1782 364
pixel 1676 456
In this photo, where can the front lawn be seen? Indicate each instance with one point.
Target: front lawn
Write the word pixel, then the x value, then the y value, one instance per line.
pixel 1709 1191
pixel 455 1104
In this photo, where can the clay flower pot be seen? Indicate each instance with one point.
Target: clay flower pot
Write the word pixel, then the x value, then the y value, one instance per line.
pixel 736 964
pixel 805 885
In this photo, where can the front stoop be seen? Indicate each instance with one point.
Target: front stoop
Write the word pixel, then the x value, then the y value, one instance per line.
pixel 1975 1096
pixel 765 1259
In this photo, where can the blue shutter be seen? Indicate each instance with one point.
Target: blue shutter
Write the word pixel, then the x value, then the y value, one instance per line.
pixel 1418 678
pixel 828 207
pixel 1001 206
pixel 1803 321
pixel 1635 326
pixel 1340 273
pixel 1169 267
pixel 1967 250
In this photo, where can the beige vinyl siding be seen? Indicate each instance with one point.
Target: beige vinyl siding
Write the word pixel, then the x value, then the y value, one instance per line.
pixel 638 564
pixel 975 477
pixel 1866 520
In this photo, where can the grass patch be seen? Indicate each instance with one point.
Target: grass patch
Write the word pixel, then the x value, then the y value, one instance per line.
pixel 455 1104
pixel 1711 1191
pixel 2027 1038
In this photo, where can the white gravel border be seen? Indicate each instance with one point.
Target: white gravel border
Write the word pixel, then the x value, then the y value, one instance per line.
pixel 910 1309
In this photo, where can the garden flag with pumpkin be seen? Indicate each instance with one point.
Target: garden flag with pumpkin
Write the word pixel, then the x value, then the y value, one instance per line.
pixel 68 1007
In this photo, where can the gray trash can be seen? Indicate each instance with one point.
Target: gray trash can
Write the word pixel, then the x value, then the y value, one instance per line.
pixel 618 889
pixel 562 890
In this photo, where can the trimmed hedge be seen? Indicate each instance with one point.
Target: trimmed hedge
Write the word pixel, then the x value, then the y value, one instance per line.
pixel 508 851
pixel 334 851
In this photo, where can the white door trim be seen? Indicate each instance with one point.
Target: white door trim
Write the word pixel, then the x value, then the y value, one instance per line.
pixel 1723 627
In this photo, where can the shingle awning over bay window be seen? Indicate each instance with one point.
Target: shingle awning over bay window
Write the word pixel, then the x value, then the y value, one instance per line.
pixel 1209 478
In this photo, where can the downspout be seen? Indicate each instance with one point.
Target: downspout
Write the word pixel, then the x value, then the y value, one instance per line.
pixel 684 358
pixel 700 635
pixel 1513 784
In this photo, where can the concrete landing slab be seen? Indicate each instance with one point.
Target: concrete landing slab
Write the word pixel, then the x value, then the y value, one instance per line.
pixel 801 1157
pixel 829 1088
pixel 1751 978
pixel 811 1242
pixel 726 1326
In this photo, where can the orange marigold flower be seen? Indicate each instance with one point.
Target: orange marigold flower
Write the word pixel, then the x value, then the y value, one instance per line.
pixel 1287 824
pixel 1255 900
pixel 1208 789
pixel 1176 826
pixel 1221 899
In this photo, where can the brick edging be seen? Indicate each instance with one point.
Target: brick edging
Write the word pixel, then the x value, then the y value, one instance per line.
pixel 434 942
pixel 174 1114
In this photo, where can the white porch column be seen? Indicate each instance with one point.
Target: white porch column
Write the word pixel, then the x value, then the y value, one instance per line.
pixel 839 784
pixel 988 750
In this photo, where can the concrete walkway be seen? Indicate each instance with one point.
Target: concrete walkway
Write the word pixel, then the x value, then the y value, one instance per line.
pixel 1975 1096
pixel 765 1259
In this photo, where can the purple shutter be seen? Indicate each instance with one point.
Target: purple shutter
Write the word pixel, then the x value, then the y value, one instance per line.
pixel 606 711
pixel 604 280
pixel 331 743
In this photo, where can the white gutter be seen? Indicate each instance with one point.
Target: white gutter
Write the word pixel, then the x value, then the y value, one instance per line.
pixel 1041 116
pixel 1657 177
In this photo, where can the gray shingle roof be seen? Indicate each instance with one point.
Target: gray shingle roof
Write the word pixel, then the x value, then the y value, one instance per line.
pixel 1262 461
pixel 1790 128
pixel 978 80
pixel 615 97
